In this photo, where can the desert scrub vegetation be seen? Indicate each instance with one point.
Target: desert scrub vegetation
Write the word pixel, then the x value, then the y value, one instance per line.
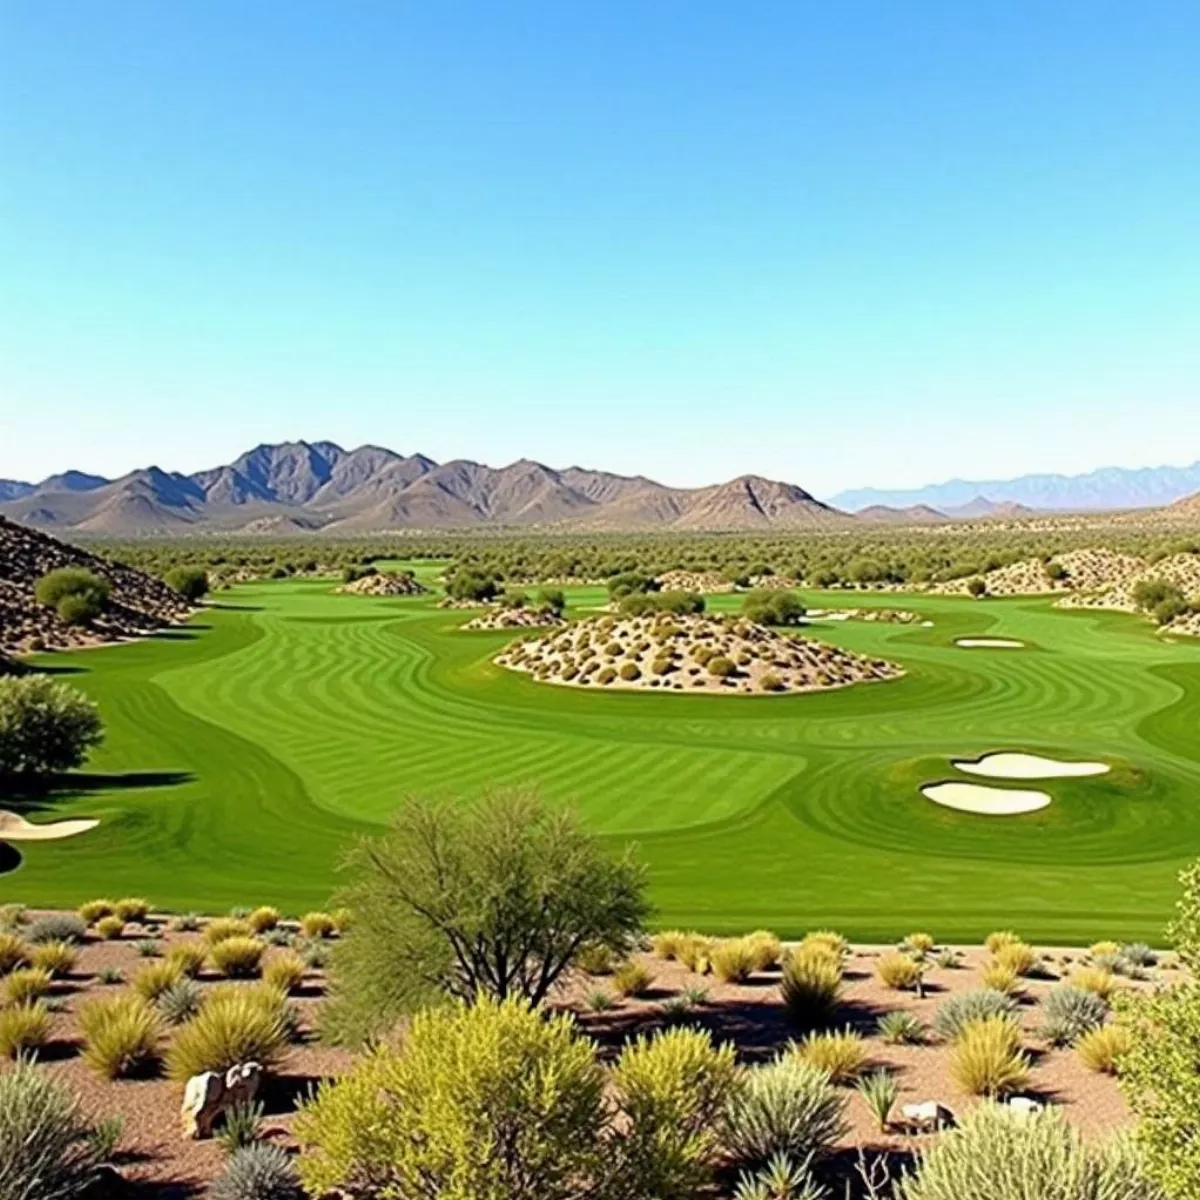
pixel 419 937
pixel 93 910
pixel 263 918
pixel 842 1055
pixel 26 984
pixel 56 958
pixel 14 952
pixel 189 957
pixel 900 972
pixel 987 1059
pixel 220 929
pixel 734 960
pixel 132 910
pixel 234 1025
pixel 238 957
pixel 1102 1049
pixel 317 925
pixel 56 927
pixel 900 1028
pixel 260 1171
pixel 631 979
pixel 156 977
pixel 811 985
pixel 1069 1012
pixel 285 971
pixel 122 1036
pixel 961 1010
pixel 110 928
pixel 180 1002
pixel 1018 957
pixel 46 727
pixel 24 1028
pixel 998 976
pixel 1094 979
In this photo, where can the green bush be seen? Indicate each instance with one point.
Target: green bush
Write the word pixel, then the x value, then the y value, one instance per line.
pixel 122 1036
pixel 238 957
pixel 987 1059
pixel 45 726
pixel 787 1107
pixel 24 1028
pixel 77 595
pixel 993 1154
pixel 190 582
pixel 639 604
pixel 721 667
pixel 1069 1012
pixel 472 585
pixel 46 1146
pixel 773 607
pixel 234 1025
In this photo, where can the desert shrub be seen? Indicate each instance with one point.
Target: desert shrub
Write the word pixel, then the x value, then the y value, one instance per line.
pixel 721 667
pixel 46 1146
pixel 596 959
pixel 598 1000
pixel 482 878
pixel 639 604
pixel 960 1011
pixel 900 1028
pixel 234 1025
pixel 734 961
pixel 93 910
pixel 1104 949
pixel 343 919
pixel 695 953
pixel 56 958
pixel 14 952
pixel 773 606
pixel 997 976
pixel 840 1054
pixel 222 928
pixel 898 971
pixel 1018 957
pixel 810 987
pixel 995 1155
pixel 76 594
pixel 122 1036
pixel 1102 1048
pixel 771 682
pixel 999 939
pixel 190 957
pixel 317 925
pixel 110 975
pixel 284 972
pixel 1137 954
pixel 922 943
pixel 1069 1012
pixel 630 671
pixel 422 1119
pixel 987 1059
pixel 260 1171
pixel 826 939
pixel 241 1127
pixel 132 909
pixel 24 1028
pixel 263 918
pixel 154 978
pixel 148 947
pixel 667 944
pixel 57 927
pixel 472 585
pixel 110 928
pixel 766 948
pixel 1094 979
pixel 879 1091
pixel 787 1107
pixel 673 1090
pixel 26 984
pixel 180 1002
pixel 631 979
pixel 190 582
pixel 185 923
pixel 238 957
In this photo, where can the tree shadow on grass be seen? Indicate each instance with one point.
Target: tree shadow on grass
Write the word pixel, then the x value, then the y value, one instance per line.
pixel 34 794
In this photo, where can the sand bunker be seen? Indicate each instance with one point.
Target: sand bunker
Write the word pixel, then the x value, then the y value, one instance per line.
pixel 14 828
pixel 1029 766
pixel 989 643
pixel 986 801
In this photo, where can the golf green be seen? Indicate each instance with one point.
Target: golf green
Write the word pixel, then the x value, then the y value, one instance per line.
pixel 247 749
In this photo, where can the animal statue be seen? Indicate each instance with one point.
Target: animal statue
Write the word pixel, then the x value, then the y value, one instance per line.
pixel 210 1094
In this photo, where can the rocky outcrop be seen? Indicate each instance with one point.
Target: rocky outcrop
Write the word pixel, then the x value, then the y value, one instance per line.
pixel 385 583
pixel 516 618
pixel 138 604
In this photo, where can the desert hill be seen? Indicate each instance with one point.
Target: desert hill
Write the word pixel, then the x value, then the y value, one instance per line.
pixel 916 514
pixel 302 486
pixel 138 604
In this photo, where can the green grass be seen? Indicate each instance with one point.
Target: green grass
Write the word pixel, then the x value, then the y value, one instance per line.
pixel 245 751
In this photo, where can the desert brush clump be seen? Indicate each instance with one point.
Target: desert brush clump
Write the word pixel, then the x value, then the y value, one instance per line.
pixel 900 1028
pixel 766 947
pixel 596 959
pixel 999 939
pixel 26 984
pixel 180 1002
pixel 1020 958
pixel 1094 979
pixel 734 960
pixel 1102 1048
pixel 93 910
pixel 263 918
pixel 786 1107
pixel 987 1059
pixel 317 925
pixel 234 1025
pixel 220 929
pixel 695 953
pixel 998 976
pixel 961 1010
pixel 14 952
pixel 811 986
pixel 154 978
pixel 260 1171
pixel 842 1055
pixel 900 972
pixel 24 1028
pixel 189 957
pixel 921 943
pixel 666 945
pixel 122 1036
pixel 631 979
pixel 238 957
pixel 132 910
pixel 1069 1012
pixel 110 928
pixel 879 1091
pixel 58 958
pixel 57 927
pixel 826 939
pixel 284 971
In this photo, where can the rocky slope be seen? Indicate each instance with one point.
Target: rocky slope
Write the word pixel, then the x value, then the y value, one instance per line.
pixel 138 604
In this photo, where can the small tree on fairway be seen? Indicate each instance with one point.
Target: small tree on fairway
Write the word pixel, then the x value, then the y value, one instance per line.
pixel 45 726
pixel 467 900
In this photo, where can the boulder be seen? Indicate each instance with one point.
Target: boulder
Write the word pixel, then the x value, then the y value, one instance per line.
pixel 210 1094
pixel 928 1116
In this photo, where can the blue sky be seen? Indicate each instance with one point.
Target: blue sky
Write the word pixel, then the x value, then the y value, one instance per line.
pixel 841 244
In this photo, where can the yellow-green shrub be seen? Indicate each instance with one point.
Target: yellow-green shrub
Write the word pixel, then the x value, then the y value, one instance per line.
pixel 284 971
pixel 342 919
pixel 1104 949
pixel 811 985
pixel 841 1055
pixel 24 1028
pixel 987 1059
pixel 236 1025
pixel 263 918
pixel 110 928
pixel 189 956
pixel 154 978
pixel 923 943
pixel 317 925
pixel 1002 937
pixel 93 910
pixel 1094 979
pixel 898 971
pixel 1000 977
pixel 631 979
pixel 668 943
pixel 132 908
pixel 1018 956
pixel 826 939
pixel 1101 1049
pixel 222 928
pixel 59 958
pixel 26 984
pixel 734 961
pixel 122 1036
pixel 14 952
pixel 695 953
pixel 767 949
pixel 238 957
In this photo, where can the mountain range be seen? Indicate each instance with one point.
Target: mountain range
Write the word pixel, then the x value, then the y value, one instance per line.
pixel 1107 488
pixel 303 486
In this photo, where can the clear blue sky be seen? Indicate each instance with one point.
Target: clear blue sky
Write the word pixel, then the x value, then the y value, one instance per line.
pixel 839 243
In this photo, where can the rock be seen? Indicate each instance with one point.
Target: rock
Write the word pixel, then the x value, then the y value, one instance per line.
pixel 930 1115
pixel 208 1095
pixel 1023 1108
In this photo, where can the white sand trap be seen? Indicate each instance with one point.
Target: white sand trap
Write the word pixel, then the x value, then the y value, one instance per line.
pixel 14 828
pixel 989 644
pixel 988 802
pixel 1029 766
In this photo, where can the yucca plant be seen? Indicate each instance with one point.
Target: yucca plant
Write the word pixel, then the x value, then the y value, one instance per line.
pixel 780 1179
pixel 242 1127
pixel 180 1002
pixel 898 972
pixel 26 984
pixel 122 1036
pixel 1101 1049
pixel 631 979
pixel 154 979
pixel 24 1029
pixel 734 961
pixel 811 986
pixel 261 1171
pixel 841 1055
pixel 987 1059
pixel 238 957
pixel 57 958
pixel 110 975
pixel 900 1028
pixel 961 1010
pixel 879 1091
pixel 189 957
pixel 284 971
pixel 235 1025
pixel 1069 1012
pixel 264 918
pixel 14 952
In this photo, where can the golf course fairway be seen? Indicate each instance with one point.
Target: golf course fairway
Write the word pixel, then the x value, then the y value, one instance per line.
pixel 246 750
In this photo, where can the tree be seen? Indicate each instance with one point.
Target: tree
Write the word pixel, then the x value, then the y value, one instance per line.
pixel 77 595
pixel 770 607
pixel 976 587
pixel 466 900
pixel 471 585
pixel 552 599
pixel 190 582
pixel 45 726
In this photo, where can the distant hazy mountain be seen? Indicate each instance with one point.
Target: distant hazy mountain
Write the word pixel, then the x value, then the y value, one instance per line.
pixel 1109 487
pixel 298 487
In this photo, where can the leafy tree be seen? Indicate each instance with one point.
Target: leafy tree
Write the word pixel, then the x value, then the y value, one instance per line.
pixel 773 607
pixel 637 604
pixel 629 582
pixel 1149 593
pixel 466 900
pixel 45 726
pixel 472 585
pixel 190 582
pixel 977 588
pixel 552 599
pixel 77 595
